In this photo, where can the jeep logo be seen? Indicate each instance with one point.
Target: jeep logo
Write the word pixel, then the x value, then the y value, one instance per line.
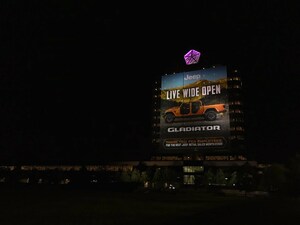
pixel 192 77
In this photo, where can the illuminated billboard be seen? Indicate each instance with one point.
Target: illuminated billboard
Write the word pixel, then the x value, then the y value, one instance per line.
pixel 194 111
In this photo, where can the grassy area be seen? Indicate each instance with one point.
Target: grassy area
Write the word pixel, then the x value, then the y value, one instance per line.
pixel 45 206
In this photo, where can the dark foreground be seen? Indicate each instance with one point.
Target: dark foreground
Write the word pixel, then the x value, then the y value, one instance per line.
pixel 56 205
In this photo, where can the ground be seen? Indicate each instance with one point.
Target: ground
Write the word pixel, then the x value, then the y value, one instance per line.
pixel 57 205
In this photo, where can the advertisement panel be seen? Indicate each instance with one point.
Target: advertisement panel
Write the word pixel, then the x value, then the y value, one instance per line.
pixel 194 111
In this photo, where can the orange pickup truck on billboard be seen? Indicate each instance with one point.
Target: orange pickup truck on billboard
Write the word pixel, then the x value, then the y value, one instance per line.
pixel 194 109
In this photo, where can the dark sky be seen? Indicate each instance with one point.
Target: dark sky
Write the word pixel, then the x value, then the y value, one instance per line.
pixel 77 76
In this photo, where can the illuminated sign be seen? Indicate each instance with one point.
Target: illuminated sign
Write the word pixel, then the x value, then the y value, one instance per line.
pixel 192 57
pixel 194 111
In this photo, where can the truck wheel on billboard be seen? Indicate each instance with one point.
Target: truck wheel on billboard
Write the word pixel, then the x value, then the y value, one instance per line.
pixel 210 115
pixel 169 118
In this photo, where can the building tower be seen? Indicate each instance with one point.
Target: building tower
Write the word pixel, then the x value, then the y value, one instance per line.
pixel 236 115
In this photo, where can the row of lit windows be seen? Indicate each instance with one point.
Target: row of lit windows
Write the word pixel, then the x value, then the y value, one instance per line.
pixel 193 169
pixel 236 111
pixel 236 120
pixel 238 137
pixel 237 129
pixel 234 78
pixel 166 158
pixel 70 168
pixel 235 86
pixel 155 140
pixel 235 103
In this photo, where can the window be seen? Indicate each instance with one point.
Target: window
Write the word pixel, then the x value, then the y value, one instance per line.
pixel 192 169
pixel 188 179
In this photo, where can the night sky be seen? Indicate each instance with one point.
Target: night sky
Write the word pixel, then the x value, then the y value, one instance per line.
pixel 76 77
